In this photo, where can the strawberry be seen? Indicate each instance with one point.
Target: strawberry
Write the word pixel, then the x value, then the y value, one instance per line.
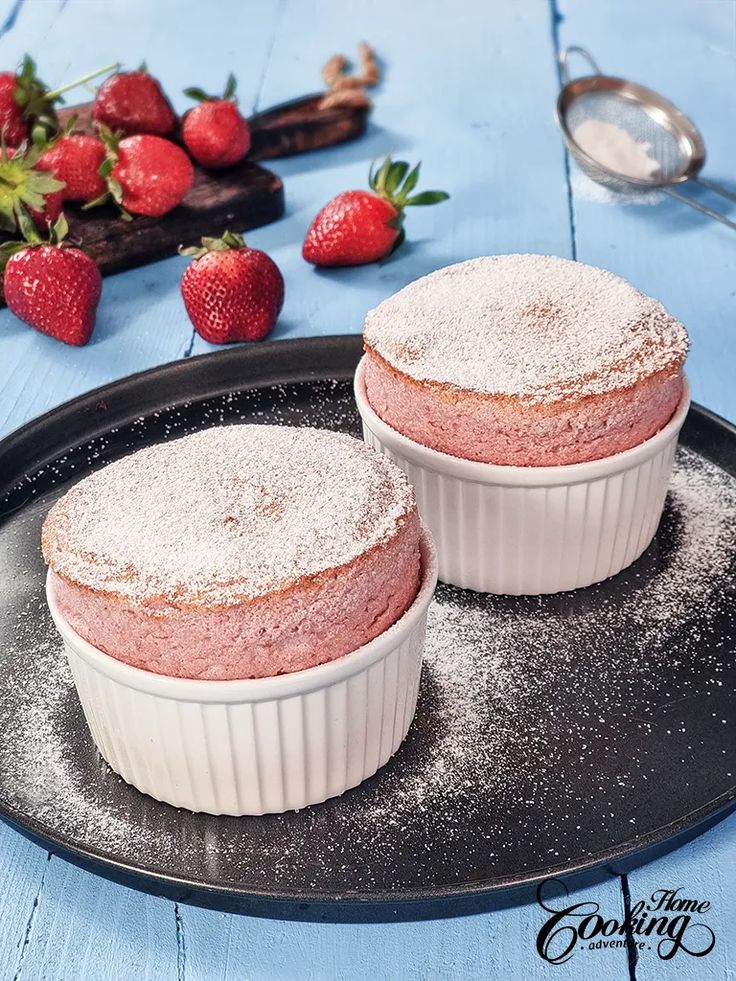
pixel 53 288
pixel 363 226
pixel 214 132
pixel 26 190
pixel 24 103
pixel 133 102
pixel 76 159
pixel 27 106
pixel 231 292
pixel 145 175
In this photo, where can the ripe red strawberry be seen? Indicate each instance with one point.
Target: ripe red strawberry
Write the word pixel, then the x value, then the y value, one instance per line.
pixel 53 288
pixel 145 175
pixel 231 292
pixel 76 159
pixel 27 106
pixel 134 102
pixel 363 226
pixel 214 132
pixel 26 190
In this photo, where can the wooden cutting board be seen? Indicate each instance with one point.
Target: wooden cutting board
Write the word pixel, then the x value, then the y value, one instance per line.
pixel 240 198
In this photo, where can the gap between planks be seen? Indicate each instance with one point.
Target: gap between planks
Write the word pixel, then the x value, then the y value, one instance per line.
pixel 556 18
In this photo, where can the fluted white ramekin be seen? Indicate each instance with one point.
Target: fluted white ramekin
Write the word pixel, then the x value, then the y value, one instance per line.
pixel 531 530
pixel 256 746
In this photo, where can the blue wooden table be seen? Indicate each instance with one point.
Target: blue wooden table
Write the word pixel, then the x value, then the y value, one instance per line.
pixel 470 89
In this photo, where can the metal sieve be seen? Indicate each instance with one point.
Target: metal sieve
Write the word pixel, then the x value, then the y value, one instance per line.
pixel 634 139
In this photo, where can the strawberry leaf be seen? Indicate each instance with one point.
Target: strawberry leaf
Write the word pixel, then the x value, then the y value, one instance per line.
pixel 228 240
pixel 396 173
pixel 381 176
pixel 116 190
pixel 427 197
pixel 102 199
pixel 26 225
pixel 411 181
pixel 230 87
pixel 199 95
pixel 59 230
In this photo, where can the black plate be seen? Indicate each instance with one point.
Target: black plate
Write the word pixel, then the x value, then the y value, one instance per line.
pixel 554 734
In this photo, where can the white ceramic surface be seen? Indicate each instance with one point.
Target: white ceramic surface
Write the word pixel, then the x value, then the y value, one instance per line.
pixel 262 745
pixel 531 530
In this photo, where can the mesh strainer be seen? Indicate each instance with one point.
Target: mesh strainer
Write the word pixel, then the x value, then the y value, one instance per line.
pixel 628 137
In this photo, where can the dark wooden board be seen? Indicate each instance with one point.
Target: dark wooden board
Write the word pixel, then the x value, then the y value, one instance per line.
pixel 240 198
pixel 297 126
pixel 243 197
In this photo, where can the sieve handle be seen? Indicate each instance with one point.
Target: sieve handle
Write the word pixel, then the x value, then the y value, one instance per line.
pixel 716 215
pixel 712 186
pixel 564 57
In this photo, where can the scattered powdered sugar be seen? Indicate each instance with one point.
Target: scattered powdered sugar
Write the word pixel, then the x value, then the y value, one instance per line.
pixel 585 189
pixel 548 728
pixel 494 676
pixel 539 726
pixel 615 149
pixel 225 514
pixel 538 327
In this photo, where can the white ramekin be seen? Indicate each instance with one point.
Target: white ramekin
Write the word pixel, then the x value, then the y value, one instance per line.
pixel 262 745
pixel 531 530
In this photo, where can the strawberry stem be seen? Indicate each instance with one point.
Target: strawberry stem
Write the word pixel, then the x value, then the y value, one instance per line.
pixel 394 182
pixel 228 240
pixel 55 93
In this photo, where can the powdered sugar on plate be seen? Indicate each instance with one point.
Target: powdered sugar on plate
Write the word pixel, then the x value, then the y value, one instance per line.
pixel 226 514
pixel 537 327
pixel 548 728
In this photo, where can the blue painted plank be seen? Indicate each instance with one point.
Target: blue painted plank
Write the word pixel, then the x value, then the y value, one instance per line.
pixel 23 868
pixel 498 945
pixel 687 52
pixel 87 927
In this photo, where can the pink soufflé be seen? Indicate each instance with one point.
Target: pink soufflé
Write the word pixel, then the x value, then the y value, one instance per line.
pixel 239 552
pixel 524 360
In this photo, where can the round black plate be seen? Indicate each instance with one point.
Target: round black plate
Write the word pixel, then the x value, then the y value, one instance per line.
pixel 554 734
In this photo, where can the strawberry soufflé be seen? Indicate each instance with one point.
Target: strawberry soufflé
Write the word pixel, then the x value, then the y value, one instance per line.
pixel 524 360
pixel 238 552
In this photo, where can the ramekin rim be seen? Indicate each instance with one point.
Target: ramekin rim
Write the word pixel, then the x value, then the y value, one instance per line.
pixel 504 475
pixel 321 676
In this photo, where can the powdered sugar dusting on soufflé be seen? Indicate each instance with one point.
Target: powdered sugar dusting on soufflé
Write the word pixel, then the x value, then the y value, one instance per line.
pixel 524 360
pixel 242 551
